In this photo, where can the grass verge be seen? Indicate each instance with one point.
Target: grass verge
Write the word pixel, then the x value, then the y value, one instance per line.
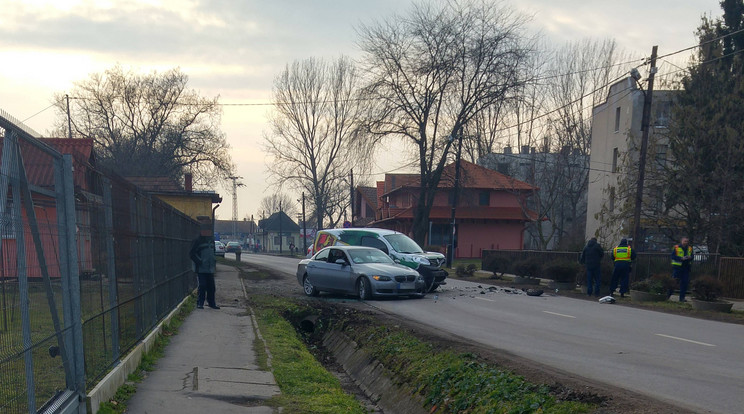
pixel 448 381
pixel 118 404
pixel 306 387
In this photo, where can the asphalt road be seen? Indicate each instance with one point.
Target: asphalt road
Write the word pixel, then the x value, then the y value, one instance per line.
pixel 693 363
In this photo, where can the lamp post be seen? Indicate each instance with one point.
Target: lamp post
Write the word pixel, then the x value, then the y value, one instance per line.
pixel 451 253
pixel 304 226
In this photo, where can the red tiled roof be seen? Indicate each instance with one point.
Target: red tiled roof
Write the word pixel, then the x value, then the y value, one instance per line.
pixel 471 176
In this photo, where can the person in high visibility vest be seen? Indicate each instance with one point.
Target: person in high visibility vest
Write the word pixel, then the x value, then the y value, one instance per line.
pixel 623 255
pixel 681 263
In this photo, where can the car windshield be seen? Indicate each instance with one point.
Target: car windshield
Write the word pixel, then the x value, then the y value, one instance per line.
pixel 360 256
pixel 403 244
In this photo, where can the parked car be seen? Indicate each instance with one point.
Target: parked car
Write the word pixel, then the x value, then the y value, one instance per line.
pixel 397 245
pixel 219 248
pixel 363 271
pixel 233 247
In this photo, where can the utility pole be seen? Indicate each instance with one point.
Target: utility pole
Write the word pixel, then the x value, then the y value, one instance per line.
pixel 69 120
pixel 451 255
pixel 645 121
pixel 351 180
pixel 304 226
pixel 236 184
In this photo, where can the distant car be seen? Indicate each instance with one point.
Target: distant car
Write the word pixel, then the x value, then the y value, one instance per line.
pixel 233 247
pixel 366 272
pixel 219 248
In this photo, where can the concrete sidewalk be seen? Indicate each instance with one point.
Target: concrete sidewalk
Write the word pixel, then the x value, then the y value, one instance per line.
pixel 210 365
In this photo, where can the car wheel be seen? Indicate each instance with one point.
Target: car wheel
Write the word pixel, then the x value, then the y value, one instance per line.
pixel 308 287
pixel 364 289
pixel 433 287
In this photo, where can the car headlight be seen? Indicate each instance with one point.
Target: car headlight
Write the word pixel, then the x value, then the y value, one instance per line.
pixel 381 278
pixel 421 260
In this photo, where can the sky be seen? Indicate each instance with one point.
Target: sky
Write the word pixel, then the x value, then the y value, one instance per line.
pixel 234 48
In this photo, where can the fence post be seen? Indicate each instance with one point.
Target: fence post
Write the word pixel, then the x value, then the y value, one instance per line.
pixel 111 268
pixel 71 258
pixel 11 146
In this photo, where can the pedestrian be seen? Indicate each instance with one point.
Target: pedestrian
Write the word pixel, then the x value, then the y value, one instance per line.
pixel 591 257
pixel 622 255
pixel 681 263
pixel 202 254
pixel 291 248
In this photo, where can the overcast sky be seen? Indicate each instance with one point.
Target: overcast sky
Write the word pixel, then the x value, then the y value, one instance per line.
pixel 234 48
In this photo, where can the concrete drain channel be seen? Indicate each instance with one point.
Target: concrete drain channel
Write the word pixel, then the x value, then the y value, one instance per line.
pixel 377 382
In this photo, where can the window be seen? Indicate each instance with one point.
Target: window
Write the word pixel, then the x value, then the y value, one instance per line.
pixel 322 255
pixel 503 168
pixel 277 240
pixel 661 118
pixel 484 198
pixel 7 227
pixel 374 242
pixel 612 199
pixel 617 119
pixel 615 155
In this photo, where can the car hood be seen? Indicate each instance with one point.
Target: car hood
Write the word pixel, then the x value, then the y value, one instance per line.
pixel 388 269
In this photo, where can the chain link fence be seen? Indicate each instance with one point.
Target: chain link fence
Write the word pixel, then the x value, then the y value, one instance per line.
pixel 90 264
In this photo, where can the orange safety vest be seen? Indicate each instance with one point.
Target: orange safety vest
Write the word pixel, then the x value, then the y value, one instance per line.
pixel 621 254
pixel 680 252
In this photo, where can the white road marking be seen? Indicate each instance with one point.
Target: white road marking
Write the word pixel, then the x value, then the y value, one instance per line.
pixel 683 339
pixel 560 314
pixel 489 300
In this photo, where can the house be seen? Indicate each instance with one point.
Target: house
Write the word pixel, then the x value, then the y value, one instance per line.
pixel 365 206
pixel 562 200
pixel 278 232
pixel 491 212
pixel 183 198
pixel 239 230
pixel 615 143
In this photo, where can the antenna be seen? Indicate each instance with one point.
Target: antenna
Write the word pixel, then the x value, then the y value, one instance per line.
pixel 236 184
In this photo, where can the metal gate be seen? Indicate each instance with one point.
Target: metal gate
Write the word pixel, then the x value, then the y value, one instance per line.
pixel 41 350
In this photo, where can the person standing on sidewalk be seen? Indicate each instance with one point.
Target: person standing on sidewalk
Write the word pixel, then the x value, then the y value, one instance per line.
pixel 622 255
pixel 681 263
pixel 205 264
pixel 591 257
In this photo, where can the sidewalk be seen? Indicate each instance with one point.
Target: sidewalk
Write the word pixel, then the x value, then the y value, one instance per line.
pixel 210 365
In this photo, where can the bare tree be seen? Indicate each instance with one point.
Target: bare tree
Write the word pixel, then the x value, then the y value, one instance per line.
pixel 148 125
pixel 317 135
pixel 277 201
pixel 432 72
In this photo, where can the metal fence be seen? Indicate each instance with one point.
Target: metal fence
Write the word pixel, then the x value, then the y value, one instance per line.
pixel 90 264
pixel 729 270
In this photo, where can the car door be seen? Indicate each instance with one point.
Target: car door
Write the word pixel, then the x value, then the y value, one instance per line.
pixel 339 275
pixel 317 270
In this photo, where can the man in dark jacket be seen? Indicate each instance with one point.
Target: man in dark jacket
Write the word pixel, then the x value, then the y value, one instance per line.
pixel 202 254
pixel 623 255
pixel 591 257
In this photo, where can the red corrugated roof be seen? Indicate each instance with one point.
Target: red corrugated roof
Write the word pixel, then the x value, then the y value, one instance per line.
pixel 39 165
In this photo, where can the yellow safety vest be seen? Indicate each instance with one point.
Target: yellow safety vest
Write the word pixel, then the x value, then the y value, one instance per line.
pixel 621 254
pixel 680 252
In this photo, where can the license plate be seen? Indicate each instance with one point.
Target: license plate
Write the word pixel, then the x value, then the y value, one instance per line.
pixel 408 285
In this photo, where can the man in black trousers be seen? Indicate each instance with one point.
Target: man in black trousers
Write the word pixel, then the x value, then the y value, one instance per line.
pixel 202 254
pixel 591 257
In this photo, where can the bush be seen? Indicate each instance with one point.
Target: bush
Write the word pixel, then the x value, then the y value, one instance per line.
pixel 526 268
pixel 562 271
pixel 659 284
pixel 466 271
pixel 706 288
pixel 471 268
pixel 496 264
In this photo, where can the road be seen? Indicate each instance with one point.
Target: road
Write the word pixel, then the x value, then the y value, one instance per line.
pixel 693 363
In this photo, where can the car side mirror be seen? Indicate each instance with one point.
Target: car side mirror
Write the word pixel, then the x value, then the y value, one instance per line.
pixel 342 262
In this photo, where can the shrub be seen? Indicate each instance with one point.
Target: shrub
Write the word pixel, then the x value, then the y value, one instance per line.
pixel 706 288
pixel 496 264
pixel 466 271
pixel 562 271
pixel 471 268
pixel 526 268
pixel 659 284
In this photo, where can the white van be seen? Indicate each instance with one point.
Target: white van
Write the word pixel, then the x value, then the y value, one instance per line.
pixel 401 248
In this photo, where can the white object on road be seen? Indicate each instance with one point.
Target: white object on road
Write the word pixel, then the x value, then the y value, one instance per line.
pixel 607 299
